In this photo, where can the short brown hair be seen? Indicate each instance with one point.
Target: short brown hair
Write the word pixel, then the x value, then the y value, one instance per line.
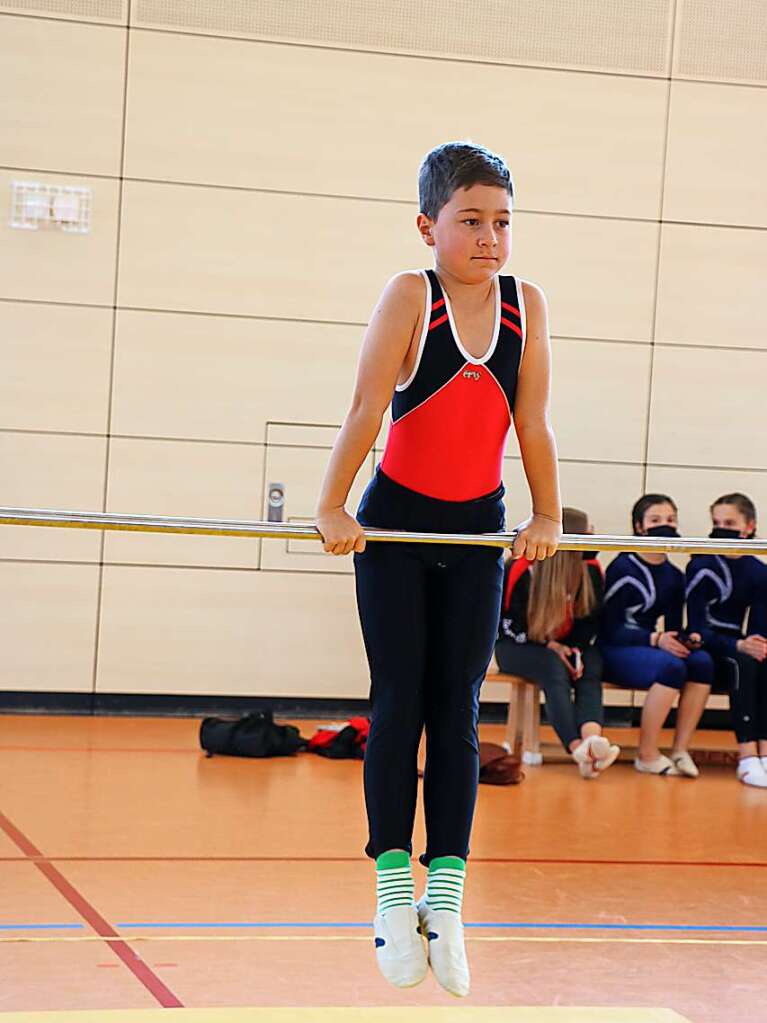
pixel 455 165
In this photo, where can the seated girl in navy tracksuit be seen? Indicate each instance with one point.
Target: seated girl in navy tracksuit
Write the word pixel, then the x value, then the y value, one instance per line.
pixel 640 588
pixel 549 619
pixel 720 591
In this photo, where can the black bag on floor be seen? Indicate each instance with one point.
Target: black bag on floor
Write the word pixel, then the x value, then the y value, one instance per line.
pixel 255 735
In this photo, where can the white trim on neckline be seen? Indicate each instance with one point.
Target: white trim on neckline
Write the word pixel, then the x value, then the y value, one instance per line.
pixel 496 332
pixel 522 314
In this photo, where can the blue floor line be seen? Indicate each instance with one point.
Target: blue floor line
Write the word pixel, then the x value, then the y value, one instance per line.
pixel 328 925
pixel 41 927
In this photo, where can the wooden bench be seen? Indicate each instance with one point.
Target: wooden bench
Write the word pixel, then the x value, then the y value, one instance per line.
pixel 523 723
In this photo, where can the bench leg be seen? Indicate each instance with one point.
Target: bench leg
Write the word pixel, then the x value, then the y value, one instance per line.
pixel 515 721
pixel 531 745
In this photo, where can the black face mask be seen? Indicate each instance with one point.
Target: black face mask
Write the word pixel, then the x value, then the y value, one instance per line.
pixel 663 531
pixel 589 555
pixel 720 533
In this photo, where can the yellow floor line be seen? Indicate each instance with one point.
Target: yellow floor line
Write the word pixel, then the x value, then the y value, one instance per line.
pixel 356 937
pixel 331 1014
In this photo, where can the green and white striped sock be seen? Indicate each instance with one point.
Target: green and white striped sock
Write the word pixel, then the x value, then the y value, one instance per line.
pixel 444 883
pixel 394 881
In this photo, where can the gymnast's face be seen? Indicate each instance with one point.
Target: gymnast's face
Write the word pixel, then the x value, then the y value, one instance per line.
pixel 728 516
pixel 659 515
pixel 472 233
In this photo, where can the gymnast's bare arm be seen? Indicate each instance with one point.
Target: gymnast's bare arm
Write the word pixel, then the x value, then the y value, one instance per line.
pixel 385 347
pixel 538 536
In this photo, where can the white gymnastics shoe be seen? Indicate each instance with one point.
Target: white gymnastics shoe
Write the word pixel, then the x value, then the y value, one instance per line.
pixel 443 930
pixel 400 949
pixel 594 755
pixel 685 764
pixel 662 765
pixel 751 772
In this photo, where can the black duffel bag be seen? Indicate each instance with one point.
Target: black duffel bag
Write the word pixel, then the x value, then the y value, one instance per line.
pixel 255 735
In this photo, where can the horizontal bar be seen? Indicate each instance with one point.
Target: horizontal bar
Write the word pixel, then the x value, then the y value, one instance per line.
pixel 308 531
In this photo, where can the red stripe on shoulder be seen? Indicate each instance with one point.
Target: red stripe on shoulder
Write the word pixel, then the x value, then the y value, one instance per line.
pixel 438 322
pixel 438 304
pixel 510 308
pixel 511 326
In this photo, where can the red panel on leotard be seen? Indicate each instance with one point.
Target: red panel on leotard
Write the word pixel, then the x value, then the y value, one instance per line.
pixel 451 446
pixel 450 421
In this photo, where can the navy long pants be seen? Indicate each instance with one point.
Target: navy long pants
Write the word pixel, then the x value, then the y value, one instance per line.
pixel 640 667
pixel 746 680
pixel 429 615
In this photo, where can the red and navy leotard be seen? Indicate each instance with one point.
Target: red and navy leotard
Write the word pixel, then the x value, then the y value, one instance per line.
pixel 450 419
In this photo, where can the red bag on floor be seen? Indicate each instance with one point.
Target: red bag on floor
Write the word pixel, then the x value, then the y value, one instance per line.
pixel 341 742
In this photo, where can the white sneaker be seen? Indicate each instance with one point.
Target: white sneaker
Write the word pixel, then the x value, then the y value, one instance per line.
pixel 400 949
pixel 443 930
pixel 595 755
pixel 660 766
pixel 684 764
pixel 751 772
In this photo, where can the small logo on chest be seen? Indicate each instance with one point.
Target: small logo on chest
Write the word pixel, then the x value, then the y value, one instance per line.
pixel 471 374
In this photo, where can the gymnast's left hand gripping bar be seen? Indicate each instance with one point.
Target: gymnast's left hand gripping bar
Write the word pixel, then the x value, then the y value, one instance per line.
pixel 308 531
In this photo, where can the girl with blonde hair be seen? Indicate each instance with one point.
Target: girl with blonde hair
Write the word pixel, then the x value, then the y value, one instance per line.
pixel 549 619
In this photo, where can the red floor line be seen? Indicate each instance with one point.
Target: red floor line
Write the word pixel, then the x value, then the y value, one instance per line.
pixel 121 949
pixel 363 859
pixel 94 749
pixel 620 863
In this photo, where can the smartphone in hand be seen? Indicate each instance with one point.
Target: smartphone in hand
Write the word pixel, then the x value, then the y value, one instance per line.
pixel 576 659
pixel 683 636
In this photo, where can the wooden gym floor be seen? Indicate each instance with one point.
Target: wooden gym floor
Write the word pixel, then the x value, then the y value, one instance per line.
pixel 138 876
